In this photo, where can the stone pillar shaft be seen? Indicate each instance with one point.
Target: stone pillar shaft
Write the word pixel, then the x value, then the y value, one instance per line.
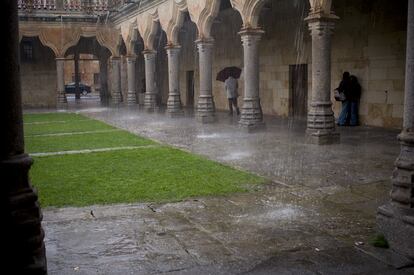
pixel 174 107
pixel 396 219
pixel 103 75
pixel 251 111
pixel 20 213
pixel 151 93
pixel 77 75
pixel 321 120
pixel 205 104
pixel 409 69
pixel 132 95
pixel 116 79
pixel 60 70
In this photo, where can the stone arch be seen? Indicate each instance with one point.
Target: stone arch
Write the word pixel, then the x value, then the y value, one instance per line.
pixel 128 33
pixel 60 39
pixel 321 6
pixel 57 39
pixel 171 16
pixel 148 26
pixel 203 12
pixel 109 38
pixel 249 11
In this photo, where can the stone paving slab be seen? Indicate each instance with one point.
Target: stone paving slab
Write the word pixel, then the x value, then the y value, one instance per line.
pixel 320 202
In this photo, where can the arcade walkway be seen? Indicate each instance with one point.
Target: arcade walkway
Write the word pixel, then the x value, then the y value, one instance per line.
pixel 319 208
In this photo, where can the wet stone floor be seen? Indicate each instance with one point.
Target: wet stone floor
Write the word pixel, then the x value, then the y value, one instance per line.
pixel 320 202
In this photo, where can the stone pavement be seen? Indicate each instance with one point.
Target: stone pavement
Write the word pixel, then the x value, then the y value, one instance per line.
pixel 320 202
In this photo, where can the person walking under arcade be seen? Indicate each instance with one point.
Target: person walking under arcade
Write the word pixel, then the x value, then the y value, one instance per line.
pixel 230 84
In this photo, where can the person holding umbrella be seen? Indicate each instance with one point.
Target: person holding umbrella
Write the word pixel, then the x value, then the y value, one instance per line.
pixel 231 85
pixel 229 76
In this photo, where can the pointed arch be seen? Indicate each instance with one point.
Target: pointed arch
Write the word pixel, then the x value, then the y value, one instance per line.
pixel 171 16
pixel 203 12
pixel 147 23
pixel 249 11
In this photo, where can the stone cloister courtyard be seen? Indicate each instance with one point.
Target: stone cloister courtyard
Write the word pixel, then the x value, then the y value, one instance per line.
pixel 120 155
pixel 316 215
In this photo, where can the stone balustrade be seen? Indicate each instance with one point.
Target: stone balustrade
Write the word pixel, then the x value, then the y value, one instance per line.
pixel 86 6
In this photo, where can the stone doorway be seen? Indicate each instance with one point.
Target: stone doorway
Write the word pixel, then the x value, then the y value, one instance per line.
pixel 298 90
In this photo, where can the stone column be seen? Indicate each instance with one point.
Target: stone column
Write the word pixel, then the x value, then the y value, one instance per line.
pixel 103 78
pixel 396 219
pixel 132 93
pixel 77 78
pixel 116 79
pixel 205 105
pixel 151 92
pixel 22 233
pixel 321 120
pixel 174 107
pixel 251 112
pixel 60 69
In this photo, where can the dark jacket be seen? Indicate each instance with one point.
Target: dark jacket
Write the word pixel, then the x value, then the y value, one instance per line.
pixel 345 87
pixel 354 89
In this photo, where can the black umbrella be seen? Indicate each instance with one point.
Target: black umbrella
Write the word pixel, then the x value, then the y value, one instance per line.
pixel 227 72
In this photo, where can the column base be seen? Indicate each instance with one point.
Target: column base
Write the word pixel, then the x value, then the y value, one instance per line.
pixel 321 124
pixel 251 117
pixel 397 225
pixel 205 109
pixel 131 98
pixel 21 219
pixel 174 108
pixel 322 138
pixel 150 102
pixel 141 99
pixel 116 97
pixel 62 99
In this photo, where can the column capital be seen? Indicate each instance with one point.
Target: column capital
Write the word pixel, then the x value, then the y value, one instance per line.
pixel 206 42
pixel 320 23
pixel 172 47
pixel 149 54
pixel 131 58
pixel 115 58
pixel 320 16
pixel 60 59
pixel 148 51
pixel 254 32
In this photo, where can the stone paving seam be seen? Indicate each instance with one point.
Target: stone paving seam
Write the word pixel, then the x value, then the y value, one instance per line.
pixel 74 133
pixel 87 151
pixel 55 121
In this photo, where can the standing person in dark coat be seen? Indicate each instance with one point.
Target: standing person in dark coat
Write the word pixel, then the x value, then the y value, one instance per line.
pixel 353 98
pixel 345 88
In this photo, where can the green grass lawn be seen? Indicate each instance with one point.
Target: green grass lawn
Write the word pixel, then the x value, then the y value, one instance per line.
pixel 155 174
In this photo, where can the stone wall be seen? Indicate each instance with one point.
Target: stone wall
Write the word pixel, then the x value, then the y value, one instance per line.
pixel 368 41
pixel 38 76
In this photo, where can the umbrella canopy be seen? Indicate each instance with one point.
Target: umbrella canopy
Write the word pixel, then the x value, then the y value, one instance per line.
pixel 227 72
